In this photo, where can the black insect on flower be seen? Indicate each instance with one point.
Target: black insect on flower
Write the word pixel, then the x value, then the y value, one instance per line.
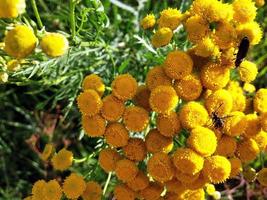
pixel 242 51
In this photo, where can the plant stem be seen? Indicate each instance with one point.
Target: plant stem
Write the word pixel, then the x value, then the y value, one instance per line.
pixel 107 182
pixel 72 19
pixel 36 13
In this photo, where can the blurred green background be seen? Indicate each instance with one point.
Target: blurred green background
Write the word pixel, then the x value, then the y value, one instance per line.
pixel 38 106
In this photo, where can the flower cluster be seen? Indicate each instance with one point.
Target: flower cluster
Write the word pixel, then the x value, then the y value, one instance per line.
pixel 21 40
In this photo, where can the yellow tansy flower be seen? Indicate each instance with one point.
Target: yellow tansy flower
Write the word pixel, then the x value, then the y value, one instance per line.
pixel 170 18
pixel 62 160
pixel 11 8
pixel 74 186
pixel 162 37
pixel 148 21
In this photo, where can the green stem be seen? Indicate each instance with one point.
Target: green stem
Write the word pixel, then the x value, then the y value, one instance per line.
pixel 36 13
pixel 107 182
pixel 72 19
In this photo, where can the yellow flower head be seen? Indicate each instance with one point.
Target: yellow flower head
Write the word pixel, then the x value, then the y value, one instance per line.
pixel 52 190
pixel 186 178
pixel 135 118
pixel 219 101
pixel 228 57
pixel 253 125
pixel 260 3
pixel 124 87
pixel 107 159
pixel 249 88
pixel 175 186
pixel 74 186
pixel 188 88
pixel 160 167
pixel 38 190
pixel 261 140
pixel 198 194
pixel 123 192
pixel 48 150
pixel 247 150
pixel 140 182
pixel 142 97
pixel 62 160
pixel 217 169
pixel 168 125
pixel 193 114
pixel 163 99
pixel 262 176
pixel 94 82
pixel 116 135
pixel 13 65
pixel 20 41
pixel 11 8
pixel 239 99
pixel 263 119
pixel 197 184
pixel 152 191
pixel 196 28
pixel 226 146
pixel 178 64
pixel 236 166
pixel 54 44
pixel 126 170
pixel 156 77
pixel 207 48
pixel 148 21
pixel 187 161
pixel 198 141
pixel 210 189
pixel 214 76
pixel 89 102
pixel 225 35
pixel 244 11
pixel 235 124
pixel 155 142
pixel 135 149
pixel 247 71
pixel 251 30
pixel 93 191
pixel 94 126
pixel 112 109
pixel 162 37
pixel 260 101
pixel 170 18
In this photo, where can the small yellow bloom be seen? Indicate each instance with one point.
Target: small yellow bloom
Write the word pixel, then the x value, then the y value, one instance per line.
pixel 260 3
pixel 162 37
pixel 187 161
pixel 261 139
pixel 247 150
pixel 11 8
pixel 263 119
pixel 207 48
pixel 225 35
pixel 108 158
pixel 193 114
pixel 38 190
pixel 247 71
pixel 54 44
pixel 163 99
pixel 170 18
pixel 153 191
pixel 251 30
pixel 156 77
pixel 210 189
pixel 168 125
pixel 160 161
pixel 198 141
pixel 94 82
pixel 196 28
pixel 13 65
pixel 123 192
pixel 116 135
pixel 126 170
pixel 142 97
pixel 124 87
pixel 253 125
pixel 226 146
pixel 112 109
pixel 260 101
pixel 20 41
pixel 188 88
pixel 214 76
pixel 217 169
pixel 178 64
pixel 62 160
pixel 52 190
pixel 93 191
pixel 235 124
pixel 140 182
pixel 244 10
pixel 148 22
pixel 74 186
pixel 249 88
pixel 135 149
pixel 94 126
pixel 236 166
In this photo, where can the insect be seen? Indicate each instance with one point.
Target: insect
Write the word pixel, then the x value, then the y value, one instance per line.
pixel 242 51
pixel 218 121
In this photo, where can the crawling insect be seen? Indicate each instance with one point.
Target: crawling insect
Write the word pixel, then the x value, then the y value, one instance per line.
pixel 218 121
pixel 242 51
